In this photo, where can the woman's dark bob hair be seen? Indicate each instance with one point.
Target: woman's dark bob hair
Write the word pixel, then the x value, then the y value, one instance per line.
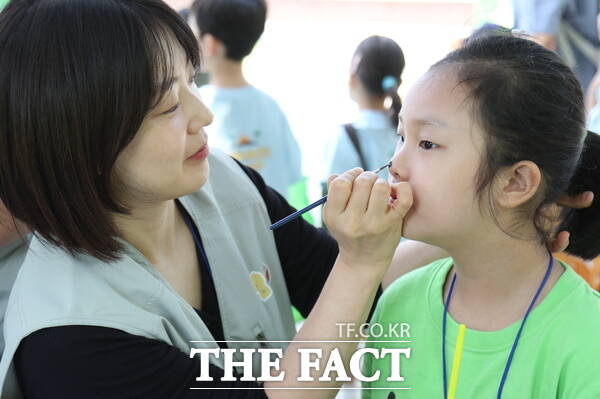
pixel 77 78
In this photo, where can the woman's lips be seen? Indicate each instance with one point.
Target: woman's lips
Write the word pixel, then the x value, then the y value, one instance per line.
pixel 201 154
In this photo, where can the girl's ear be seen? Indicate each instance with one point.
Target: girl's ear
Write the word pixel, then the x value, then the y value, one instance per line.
pixel 518 184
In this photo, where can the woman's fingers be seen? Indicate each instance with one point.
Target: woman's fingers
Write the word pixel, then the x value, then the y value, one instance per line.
pixel 401 199
pixel 561 242
pixel 379 199
pixel 578 201
pixel 339 191
pixel 331 178
pixel 361 192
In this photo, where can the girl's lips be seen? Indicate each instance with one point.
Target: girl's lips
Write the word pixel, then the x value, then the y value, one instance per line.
pixel 201 154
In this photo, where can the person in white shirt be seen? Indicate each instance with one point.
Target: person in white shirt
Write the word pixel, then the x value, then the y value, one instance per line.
pixel 375 75
pixel 248 123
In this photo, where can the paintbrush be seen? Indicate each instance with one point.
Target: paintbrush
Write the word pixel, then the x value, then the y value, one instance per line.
pixel 313 205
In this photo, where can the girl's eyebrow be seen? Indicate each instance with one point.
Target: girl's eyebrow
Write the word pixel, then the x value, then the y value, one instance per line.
pixel 426 121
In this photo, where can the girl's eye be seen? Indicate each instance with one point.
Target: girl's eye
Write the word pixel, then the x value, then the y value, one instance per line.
pixel 427 145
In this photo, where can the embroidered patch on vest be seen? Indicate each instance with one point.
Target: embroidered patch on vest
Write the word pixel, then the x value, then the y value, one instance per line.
pixel 261 282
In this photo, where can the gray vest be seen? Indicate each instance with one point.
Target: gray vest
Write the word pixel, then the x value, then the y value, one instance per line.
pixel 11 258
pixel 54 288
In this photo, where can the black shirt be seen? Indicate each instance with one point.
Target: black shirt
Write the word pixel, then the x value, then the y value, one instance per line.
pixel 100 362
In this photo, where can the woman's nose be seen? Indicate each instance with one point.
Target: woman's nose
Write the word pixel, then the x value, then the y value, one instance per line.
pixel 206 115
pixel 200 116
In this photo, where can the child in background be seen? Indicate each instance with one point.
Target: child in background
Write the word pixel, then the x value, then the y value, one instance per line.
pixel 491 135
pixel 248 124
pixel 375 75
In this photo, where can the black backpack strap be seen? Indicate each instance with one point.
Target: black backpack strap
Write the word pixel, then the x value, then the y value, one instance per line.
pixel 353 136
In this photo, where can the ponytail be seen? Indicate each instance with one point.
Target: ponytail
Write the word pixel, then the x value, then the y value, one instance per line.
pixel 584 224
pixel 389 84
pixel 379 67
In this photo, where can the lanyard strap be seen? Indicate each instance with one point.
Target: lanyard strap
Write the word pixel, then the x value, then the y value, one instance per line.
pixel 197 241
pixel 517 338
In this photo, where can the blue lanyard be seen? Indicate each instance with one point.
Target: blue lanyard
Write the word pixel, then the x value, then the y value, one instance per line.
pixel 197 241
pixel 515 343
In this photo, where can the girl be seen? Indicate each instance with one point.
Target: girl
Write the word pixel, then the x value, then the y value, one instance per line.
pixel 490 135
pixel 375 75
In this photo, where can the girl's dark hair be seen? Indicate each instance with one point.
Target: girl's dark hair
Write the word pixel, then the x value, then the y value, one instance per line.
pixel 530 106
pixel 77 78
pixel 380 66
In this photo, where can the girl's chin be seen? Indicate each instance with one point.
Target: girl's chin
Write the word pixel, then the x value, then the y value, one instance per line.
pixel 412 231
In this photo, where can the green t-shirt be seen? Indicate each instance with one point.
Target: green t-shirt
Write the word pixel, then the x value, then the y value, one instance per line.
pixel 558 355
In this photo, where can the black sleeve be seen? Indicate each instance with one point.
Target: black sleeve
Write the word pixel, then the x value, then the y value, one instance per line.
pixel 307 254
pixel 74 362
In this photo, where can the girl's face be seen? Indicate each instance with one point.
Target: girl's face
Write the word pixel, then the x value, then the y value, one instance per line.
pixel 167 157
pixel 439 153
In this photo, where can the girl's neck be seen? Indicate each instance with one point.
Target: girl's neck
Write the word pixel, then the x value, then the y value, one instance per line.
pixel 497 280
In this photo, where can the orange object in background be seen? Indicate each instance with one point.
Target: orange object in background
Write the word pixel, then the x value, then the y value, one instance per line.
pixel 589 270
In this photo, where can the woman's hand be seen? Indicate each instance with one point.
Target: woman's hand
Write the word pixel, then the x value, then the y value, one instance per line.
pixel 365 215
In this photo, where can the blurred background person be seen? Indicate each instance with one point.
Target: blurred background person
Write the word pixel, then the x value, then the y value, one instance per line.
pixel 568 26
pixel 248 123
pixel 375 75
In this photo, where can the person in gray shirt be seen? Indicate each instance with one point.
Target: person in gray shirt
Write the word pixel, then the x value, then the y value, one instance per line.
pixel 565 26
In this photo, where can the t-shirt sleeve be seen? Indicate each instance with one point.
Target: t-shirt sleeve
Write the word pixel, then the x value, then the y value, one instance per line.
pixel 98 362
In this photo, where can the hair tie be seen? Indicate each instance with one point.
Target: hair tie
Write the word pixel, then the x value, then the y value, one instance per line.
pixel 389 82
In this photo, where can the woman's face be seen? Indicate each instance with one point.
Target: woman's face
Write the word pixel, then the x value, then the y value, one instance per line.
pixel 168 156
pixel 438 153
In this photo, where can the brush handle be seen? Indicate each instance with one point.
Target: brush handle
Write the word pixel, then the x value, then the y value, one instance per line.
pixel 298 213
pixel 313 205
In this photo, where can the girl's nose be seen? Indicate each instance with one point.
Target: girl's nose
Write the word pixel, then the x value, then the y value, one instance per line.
pixel 399 169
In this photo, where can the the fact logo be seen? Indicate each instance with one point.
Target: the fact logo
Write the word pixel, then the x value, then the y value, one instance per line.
pixel 310 362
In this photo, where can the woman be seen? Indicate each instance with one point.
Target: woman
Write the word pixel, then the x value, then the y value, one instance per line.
pixel 137 250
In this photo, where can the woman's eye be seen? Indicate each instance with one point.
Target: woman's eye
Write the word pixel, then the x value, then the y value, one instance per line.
pixel 194 78
pixel 172 109
pixel 427 145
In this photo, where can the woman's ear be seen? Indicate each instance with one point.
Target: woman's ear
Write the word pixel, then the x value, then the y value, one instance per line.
pixel 518 184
